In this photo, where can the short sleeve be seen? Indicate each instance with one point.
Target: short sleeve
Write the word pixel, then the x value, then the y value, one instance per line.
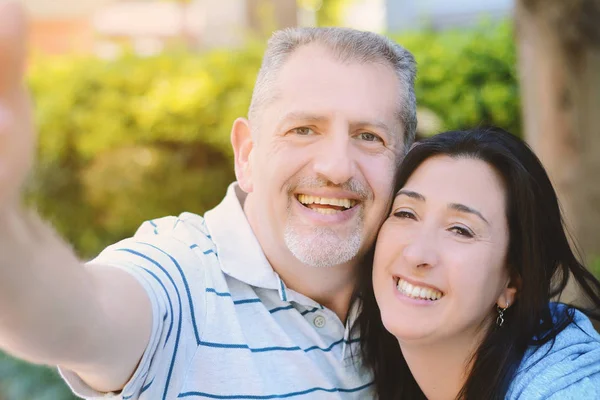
pixel 171 274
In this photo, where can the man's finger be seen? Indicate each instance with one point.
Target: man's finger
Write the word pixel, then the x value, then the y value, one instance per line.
pixel 13 38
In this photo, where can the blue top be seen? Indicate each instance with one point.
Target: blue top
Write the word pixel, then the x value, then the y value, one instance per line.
pixel 568 368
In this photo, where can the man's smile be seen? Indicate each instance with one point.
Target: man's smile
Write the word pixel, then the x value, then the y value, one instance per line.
pixel 326 205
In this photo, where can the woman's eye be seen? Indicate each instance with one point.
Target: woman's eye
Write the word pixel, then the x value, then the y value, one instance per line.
pixel 369 137
pixel 303 131
pixel 404 215
pixel 459 230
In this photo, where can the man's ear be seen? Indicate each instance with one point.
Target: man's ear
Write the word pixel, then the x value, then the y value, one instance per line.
pixel 241 141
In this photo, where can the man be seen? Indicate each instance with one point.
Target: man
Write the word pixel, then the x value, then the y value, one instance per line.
pixel 255 299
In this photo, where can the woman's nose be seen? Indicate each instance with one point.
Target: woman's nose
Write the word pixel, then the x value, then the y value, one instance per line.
pixel 421 249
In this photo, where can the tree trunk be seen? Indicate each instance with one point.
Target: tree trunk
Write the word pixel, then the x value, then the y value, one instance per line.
pixel 559 55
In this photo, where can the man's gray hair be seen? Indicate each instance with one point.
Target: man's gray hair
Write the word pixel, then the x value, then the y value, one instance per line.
pixel 346 45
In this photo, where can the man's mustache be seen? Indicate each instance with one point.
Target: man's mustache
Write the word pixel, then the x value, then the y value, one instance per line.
pixel 352 185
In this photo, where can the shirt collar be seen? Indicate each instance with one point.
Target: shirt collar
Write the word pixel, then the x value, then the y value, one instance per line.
pixel 240 255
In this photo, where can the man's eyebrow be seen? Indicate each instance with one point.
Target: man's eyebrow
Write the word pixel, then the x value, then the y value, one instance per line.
pixel 316 118
pixel 466 209
pixel 303 116
pixel 411 194
pixel 374 124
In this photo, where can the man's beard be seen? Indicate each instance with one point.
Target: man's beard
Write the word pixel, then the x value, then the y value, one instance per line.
pixel 322 247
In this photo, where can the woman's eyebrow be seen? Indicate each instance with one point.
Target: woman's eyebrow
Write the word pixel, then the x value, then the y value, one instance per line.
pixel 466 209
pixel 411 194
pixel 454 206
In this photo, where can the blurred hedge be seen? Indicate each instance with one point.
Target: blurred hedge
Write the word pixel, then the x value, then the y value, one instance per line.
pixel 468 78
pixel 135 138
pixel 138 138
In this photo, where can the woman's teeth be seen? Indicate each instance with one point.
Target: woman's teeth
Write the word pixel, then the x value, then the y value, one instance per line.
pixel 418 292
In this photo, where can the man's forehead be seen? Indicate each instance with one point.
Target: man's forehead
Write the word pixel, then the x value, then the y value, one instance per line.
pixel 313 85
pixel 314 58
pixel 371 89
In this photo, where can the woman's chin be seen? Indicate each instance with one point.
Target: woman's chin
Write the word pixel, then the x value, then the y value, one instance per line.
pixel 410 331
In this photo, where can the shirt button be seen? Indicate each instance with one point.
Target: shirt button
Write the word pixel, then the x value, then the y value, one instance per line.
pixel 319 321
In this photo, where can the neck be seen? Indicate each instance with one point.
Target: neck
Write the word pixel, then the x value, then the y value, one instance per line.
pixel 332 287
pixel 441 369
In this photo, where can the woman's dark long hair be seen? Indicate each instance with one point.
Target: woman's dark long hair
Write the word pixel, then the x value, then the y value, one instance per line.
pixel 539 257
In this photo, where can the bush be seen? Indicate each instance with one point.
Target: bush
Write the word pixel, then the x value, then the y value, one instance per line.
pixel 124 141
pixel 135 139
pixel 468 78
pixel 22 381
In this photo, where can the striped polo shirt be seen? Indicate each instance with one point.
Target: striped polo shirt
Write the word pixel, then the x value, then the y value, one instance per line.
pixel 225 326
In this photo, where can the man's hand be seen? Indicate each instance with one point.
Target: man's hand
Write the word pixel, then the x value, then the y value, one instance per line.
pixel 51 307
pixel 16 132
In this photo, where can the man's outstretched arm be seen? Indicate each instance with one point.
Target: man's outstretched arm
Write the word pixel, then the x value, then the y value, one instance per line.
pixel 93 321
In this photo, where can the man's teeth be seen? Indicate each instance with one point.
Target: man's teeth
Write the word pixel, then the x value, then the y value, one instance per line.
pixel 418 292
pixel 306 199
pixel 326 211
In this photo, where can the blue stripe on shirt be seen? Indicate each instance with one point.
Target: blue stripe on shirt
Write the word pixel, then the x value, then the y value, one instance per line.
pixel 222 294
pixel 185 284
pixel 275 348
pixel 273 396
pixel 169 375
pixel 146 386
pixel 283 294
pixel 309 311
pixel 325 349
pixel 168 299
pixel 274 310
pixel 155 227
pixel 246 347
pixel 201 231
pixel 227 294
pixel 246 301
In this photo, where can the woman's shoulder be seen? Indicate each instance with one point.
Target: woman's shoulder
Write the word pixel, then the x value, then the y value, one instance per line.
pixel 567 367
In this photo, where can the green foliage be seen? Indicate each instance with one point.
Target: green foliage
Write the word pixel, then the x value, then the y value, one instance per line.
pixel 135 138
pixel 468 78
pixel 330 12
pixel 138 138
pixel 22 381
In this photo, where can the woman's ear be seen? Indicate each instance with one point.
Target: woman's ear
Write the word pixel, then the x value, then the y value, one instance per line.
pixel 242 143
pixel 509 293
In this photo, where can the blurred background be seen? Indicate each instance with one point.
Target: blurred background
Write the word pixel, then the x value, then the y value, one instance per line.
pixel 135 100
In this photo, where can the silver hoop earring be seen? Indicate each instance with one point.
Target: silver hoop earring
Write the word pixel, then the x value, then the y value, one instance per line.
pixel 500 318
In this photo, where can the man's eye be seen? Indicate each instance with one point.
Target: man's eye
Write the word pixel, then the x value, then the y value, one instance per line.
pixel 303 131
pixel 369 137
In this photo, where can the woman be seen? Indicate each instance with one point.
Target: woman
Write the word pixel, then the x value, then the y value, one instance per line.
pixel 465 268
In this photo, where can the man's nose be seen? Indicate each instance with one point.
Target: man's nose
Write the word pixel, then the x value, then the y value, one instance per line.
pixel 335 161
